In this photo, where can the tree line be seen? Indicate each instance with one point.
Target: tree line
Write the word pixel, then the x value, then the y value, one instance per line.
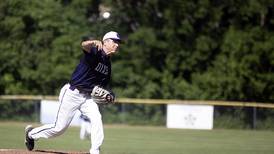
pixel 204 49
pixel 178 49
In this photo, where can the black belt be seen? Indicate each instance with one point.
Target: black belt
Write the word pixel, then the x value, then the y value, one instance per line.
pixel 81 91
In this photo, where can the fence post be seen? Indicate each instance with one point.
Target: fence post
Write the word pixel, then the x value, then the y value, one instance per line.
pixel 254 117
pixel 37 111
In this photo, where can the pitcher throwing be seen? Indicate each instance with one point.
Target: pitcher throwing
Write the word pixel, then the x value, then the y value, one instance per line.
pixel 84 92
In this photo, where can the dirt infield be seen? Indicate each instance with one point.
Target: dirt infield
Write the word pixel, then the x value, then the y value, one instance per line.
pixel 19 151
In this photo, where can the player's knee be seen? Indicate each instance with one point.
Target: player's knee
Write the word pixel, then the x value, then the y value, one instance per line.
pixel 59 130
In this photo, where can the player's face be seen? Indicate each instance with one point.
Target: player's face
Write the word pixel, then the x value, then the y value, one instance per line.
pixel 111 45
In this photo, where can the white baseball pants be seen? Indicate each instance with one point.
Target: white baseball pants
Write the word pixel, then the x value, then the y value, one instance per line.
pixel 71 101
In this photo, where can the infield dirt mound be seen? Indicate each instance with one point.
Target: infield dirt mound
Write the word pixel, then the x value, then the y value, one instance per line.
pixel 19 151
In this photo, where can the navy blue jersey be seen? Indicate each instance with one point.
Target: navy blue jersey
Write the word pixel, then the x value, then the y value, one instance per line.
pixel 94 69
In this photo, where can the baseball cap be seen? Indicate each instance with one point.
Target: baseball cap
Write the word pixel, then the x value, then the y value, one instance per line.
pixel 112 35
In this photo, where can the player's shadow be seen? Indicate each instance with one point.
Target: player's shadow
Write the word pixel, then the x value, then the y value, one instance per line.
pixel 59 152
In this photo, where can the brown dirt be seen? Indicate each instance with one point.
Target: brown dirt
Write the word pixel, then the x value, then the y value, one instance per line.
pixel 19 151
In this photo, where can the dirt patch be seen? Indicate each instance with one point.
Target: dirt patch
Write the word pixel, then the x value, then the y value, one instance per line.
pixel 19 151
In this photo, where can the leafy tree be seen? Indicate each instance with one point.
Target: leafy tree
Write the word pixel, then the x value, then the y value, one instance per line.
pixel 203 49
pixel 40 42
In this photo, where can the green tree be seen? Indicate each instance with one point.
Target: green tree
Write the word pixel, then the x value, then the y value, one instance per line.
pixel 39 44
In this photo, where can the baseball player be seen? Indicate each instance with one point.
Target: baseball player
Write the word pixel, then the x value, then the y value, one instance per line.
pixel 84 92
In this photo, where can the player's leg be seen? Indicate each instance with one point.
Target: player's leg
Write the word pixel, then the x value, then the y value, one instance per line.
pixel 64 117
pixel 91 109
pixel 69 103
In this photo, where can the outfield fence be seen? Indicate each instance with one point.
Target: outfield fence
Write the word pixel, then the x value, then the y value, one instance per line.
pixel 152 101
pixel 227 114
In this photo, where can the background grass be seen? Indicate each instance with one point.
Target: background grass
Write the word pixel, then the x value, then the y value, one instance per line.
pixel 149 140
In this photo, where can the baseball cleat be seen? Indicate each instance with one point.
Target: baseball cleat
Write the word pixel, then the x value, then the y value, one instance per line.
pixel 29 142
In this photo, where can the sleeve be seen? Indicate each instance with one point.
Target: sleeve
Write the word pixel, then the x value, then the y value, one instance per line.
pixel 93 51
pixel 90 57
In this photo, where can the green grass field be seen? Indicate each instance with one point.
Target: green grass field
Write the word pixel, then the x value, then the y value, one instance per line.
pixel 149 140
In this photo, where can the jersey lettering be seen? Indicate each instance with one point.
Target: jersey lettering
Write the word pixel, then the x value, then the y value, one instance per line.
pixel 102 68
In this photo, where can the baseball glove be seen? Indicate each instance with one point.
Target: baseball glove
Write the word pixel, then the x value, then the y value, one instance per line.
pixel 102 96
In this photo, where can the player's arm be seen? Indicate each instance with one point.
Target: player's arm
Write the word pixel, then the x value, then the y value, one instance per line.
pixel 87 45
